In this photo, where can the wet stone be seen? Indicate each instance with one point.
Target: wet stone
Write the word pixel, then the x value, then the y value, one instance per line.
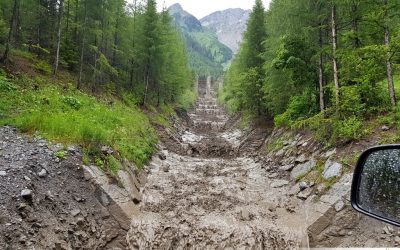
pixel 279 183
pixel 303 169
pixel 75 212
pixel 303 195
pixel 42 173
pixel 339 206
pixel 332 169
pixel 27 194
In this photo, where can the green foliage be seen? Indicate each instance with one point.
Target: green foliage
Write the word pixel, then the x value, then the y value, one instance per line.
pixel 245 79
pixel 123 127
pixel 113 165
pixel 72 102
pixel 187 99
pixel 6 84
pixel 300 107
pixel 43 67
pixel 207 56
pixel 61 154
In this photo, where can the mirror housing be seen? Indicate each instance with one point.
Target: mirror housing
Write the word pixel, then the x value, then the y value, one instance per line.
pixel 375 190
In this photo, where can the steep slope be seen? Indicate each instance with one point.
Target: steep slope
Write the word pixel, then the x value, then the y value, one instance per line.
pixel 229 26
pixel 206 54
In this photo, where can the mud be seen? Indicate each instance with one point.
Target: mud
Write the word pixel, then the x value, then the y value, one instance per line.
pixel 63 210
pixel 208 198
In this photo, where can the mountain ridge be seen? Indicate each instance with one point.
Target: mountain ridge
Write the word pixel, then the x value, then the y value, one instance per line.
pixel 229 25
pixel 207 55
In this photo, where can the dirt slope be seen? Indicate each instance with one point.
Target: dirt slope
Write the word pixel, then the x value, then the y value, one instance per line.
pixel 45 201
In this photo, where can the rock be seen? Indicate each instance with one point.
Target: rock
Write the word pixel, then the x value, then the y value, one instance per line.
pixel 279 183
pixel 27 178
pixel 294 190
pixel 21 206
pixel 320 188
pixel 165 168
pixel 245 215
pixel 332 169
pixel 27 194
pixel 273 175
pixel 287 167
pixel 303 169
pixel 385 128
pixel 280 152
pixel 42 173
pixel 303 185
pixel 339 206
pixel 330 153
pixel 162 156
pixel 303 195
pixel 397 240
pixel 107 150
pixel 3 173
pixel 80 221
pixel 75 212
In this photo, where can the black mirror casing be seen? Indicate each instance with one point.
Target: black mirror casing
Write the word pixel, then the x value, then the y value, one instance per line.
pixel 355 189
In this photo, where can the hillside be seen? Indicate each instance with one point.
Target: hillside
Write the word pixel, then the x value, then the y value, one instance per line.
pixel 229 25
pixel 206 54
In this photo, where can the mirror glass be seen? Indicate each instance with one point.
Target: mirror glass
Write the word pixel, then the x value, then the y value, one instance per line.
pixel 379 186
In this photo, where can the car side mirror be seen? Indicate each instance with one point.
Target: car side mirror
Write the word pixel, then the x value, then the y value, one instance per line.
pixel 376 184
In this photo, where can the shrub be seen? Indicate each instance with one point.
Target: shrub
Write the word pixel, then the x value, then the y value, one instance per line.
pixel 72 102
pixel 348 129
pixel 5 84
pixel 43 67
pixel 88 122
pixel 300 107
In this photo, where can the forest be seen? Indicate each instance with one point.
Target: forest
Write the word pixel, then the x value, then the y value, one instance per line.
pixel 326 66
pixel 106 44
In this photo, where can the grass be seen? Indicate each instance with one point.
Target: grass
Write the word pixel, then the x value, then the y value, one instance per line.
pixel 70 116
pixel 61 154
pixel 277 144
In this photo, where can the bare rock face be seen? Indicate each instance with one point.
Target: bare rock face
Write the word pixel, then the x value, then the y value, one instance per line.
pixel 229 25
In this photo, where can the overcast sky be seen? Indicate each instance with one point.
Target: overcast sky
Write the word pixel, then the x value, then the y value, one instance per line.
pixel 201 8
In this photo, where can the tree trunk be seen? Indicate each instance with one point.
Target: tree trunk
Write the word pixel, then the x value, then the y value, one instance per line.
pixel 354 24
pixel 321 74
pixel 334 60
pixel 82 50
pixel 57 59
pixel 68 17
pixel 389 68
pixel 13 22
pixel 147 87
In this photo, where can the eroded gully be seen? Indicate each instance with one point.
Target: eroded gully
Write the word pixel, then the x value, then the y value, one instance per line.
pixel 219 202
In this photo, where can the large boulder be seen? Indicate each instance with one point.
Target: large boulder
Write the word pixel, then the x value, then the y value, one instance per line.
pixel 332 169
pixel 303 169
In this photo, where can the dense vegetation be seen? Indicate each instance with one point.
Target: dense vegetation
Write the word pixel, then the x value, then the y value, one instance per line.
pixel 108 44
pixel 59 112
pixel 207 55
pixel 78 71
pixel 328 66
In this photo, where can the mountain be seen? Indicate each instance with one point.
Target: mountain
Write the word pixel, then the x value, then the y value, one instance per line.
pixel 207 55
pixel 229 25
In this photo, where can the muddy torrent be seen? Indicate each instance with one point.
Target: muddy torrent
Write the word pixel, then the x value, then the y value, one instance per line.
pixel 210 199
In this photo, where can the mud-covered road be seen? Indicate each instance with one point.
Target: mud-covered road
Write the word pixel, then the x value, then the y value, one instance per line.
pixel 209 199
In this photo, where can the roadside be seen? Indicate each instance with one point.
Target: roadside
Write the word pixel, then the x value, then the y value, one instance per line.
pixel 47 203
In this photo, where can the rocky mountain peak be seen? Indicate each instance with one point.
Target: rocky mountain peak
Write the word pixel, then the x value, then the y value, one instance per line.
pixel 229 25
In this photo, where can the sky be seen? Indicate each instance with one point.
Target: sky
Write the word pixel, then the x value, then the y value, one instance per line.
pixel 202 8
